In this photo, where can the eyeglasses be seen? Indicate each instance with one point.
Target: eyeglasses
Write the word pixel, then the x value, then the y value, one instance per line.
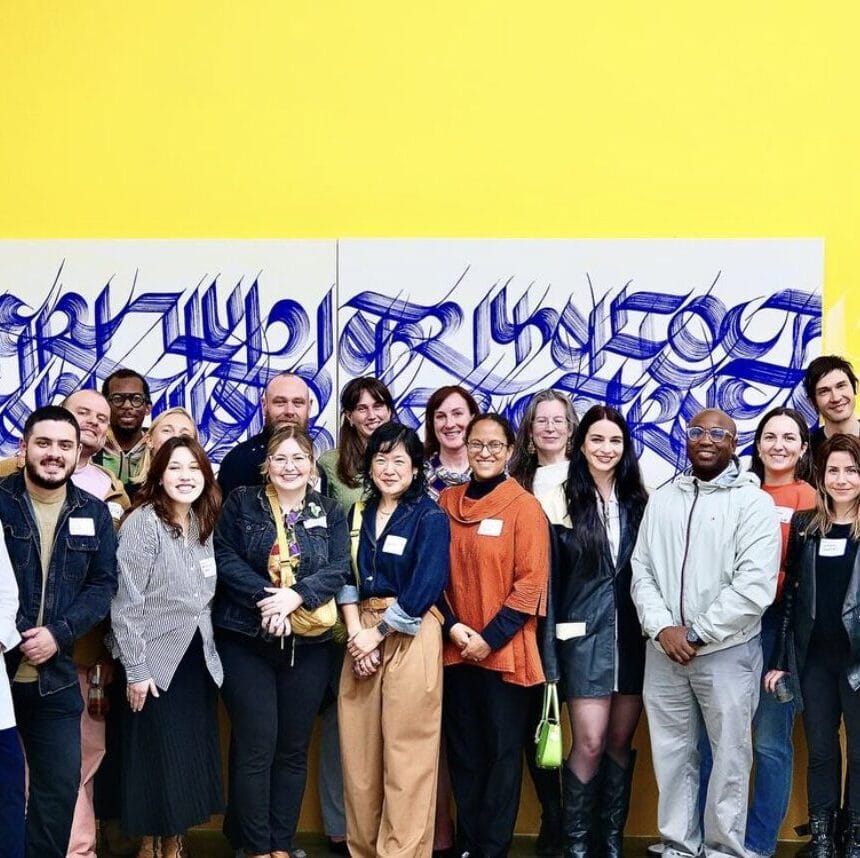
pixel 282 461
pixel 136 399
pixel 494 447
pixel 556 422
pixel 695 433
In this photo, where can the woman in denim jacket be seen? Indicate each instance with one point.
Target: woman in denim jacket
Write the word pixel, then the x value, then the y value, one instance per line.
pixel 274 680
pixel 390 704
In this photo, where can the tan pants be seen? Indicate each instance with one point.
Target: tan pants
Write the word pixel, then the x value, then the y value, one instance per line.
pixel 390 725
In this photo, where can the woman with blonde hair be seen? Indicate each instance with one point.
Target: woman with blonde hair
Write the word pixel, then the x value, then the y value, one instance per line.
pixel 172 423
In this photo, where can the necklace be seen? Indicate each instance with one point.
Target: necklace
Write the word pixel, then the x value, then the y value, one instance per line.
pixel 383 512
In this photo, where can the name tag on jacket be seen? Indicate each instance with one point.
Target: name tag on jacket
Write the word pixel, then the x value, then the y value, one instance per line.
pixel 315 522
pixel 566 631
pixel 832 547
pixel 394 544
pixel 490 527
pixel 82 527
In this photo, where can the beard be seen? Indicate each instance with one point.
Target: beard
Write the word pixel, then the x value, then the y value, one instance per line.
pixel 48 482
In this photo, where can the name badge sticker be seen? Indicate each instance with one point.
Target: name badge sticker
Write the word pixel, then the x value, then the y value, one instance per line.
pixel 832 547
pixel 394 544
pixel 784 513
pixel 207 567
pixel 82 527
pixel 490 527
pixel 567 631
pixel 315 522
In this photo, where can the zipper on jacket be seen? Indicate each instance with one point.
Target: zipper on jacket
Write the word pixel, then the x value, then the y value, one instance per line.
pixel 687 548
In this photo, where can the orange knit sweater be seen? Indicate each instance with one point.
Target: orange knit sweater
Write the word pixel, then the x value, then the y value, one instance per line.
pixel 489 571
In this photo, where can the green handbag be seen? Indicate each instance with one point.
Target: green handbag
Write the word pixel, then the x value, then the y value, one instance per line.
pixel 548 735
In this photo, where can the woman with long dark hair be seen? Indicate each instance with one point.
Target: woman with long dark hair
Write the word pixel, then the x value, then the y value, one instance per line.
pixel 365 404
pixel 390 703
pixel 601 651
pixel 818 647
pixel 162 631
pixel 498 588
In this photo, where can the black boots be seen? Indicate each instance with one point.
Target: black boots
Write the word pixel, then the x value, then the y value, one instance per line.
pixel 821 826
pixel 578 814
pixel 614 805
pixel 852 837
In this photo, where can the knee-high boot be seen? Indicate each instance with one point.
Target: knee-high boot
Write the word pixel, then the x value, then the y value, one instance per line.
pixel 578 810
pixel 614 804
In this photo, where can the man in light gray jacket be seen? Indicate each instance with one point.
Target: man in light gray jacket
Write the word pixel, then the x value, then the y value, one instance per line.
pixel 704 570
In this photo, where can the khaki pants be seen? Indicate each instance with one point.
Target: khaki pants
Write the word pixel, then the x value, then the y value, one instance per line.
pixel 390 725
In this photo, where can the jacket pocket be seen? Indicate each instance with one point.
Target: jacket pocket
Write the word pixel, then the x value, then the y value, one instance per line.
pixel 79 553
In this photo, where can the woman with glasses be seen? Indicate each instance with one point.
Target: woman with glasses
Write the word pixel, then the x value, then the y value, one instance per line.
pixel 365 404
pixel 539 463
pixel 279 547
pixel 390 702
pixel 162 631
pixel 599 642
pixel 818 647
pixel 498 588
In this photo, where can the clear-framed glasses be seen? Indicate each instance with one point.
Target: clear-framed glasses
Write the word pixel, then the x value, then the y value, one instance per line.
pixel 715 433
pixel 119 399
pixel 493 447
pixel 299 460
pixel 555 422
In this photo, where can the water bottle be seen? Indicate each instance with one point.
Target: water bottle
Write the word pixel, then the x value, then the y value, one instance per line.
pixel 782 690
pixel 97 702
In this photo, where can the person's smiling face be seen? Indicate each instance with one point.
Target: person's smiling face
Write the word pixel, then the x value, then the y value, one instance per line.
pixel 710 455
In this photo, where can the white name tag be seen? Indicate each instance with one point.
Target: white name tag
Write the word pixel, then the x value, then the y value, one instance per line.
pixel 207 567
pixel 394 544
pixel 566 631
pixel 316 522
pixel 832 547
pixel 490 527
pixel 785 513
pixel 81 527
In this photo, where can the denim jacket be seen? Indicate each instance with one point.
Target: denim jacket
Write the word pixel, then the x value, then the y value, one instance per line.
pixel 244 538
pixel 81 577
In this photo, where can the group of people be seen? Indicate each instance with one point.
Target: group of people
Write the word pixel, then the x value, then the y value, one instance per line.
pixel 419 595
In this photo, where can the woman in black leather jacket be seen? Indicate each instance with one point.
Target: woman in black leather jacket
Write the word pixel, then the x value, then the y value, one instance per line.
pixel 601 651
pixel 819 644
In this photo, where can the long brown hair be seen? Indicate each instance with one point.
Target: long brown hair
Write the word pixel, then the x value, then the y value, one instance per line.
pixel 431 442
pixel 822 521
pixel 206 507
pixel 351 444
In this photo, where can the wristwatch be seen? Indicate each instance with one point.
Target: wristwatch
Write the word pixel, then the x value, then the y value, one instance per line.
pixel 384 629
pixel 693 639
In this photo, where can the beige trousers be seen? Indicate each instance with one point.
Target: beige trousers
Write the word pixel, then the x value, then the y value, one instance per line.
pixel 390 725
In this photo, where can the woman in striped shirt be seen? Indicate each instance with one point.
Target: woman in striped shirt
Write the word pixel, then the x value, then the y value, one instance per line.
pixel 162 632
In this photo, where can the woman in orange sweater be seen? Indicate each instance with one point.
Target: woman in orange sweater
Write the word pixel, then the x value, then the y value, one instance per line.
pixel 498 587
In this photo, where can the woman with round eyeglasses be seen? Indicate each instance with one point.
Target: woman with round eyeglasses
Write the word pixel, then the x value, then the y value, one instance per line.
pixel 274 679
pixel 539 463
pixel 448 413
pixel 162 634
pixel 390 702
pixel 817 653
pixel 366 404
pixel 498 589
pixel 599 642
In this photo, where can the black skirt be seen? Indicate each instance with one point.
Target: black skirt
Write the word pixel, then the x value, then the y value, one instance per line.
pixel 171 776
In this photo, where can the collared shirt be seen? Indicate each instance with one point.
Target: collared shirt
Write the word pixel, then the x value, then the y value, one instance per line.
pixel 166 588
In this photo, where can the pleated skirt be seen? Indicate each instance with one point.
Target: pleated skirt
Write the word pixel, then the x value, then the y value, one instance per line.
pixel 171 775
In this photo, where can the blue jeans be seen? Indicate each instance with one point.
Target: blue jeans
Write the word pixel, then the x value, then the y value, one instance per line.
pixel 773 753
pixel 11 793
pixel 50 729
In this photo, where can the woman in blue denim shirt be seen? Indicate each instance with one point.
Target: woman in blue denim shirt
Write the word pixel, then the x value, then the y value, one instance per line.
pixel 274 679
pixel 390 704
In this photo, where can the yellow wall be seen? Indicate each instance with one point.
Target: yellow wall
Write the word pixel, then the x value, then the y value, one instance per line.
pixel 324 118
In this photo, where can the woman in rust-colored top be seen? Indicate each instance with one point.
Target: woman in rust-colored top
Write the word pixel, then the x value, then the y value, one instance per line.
pixel 498 587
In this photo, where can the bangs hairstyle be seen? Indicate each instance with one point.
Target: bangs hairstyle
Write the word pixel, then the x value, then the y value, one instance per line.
pixel 803 468
pixel 581 491
pixel 822 521
pixel 523 463
pixel 384 439
pixel 492 417
pixel 206 507
pixel 431 442
pixel 146 461
pixel 820 367
pixel 301 438
pixel 351 444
